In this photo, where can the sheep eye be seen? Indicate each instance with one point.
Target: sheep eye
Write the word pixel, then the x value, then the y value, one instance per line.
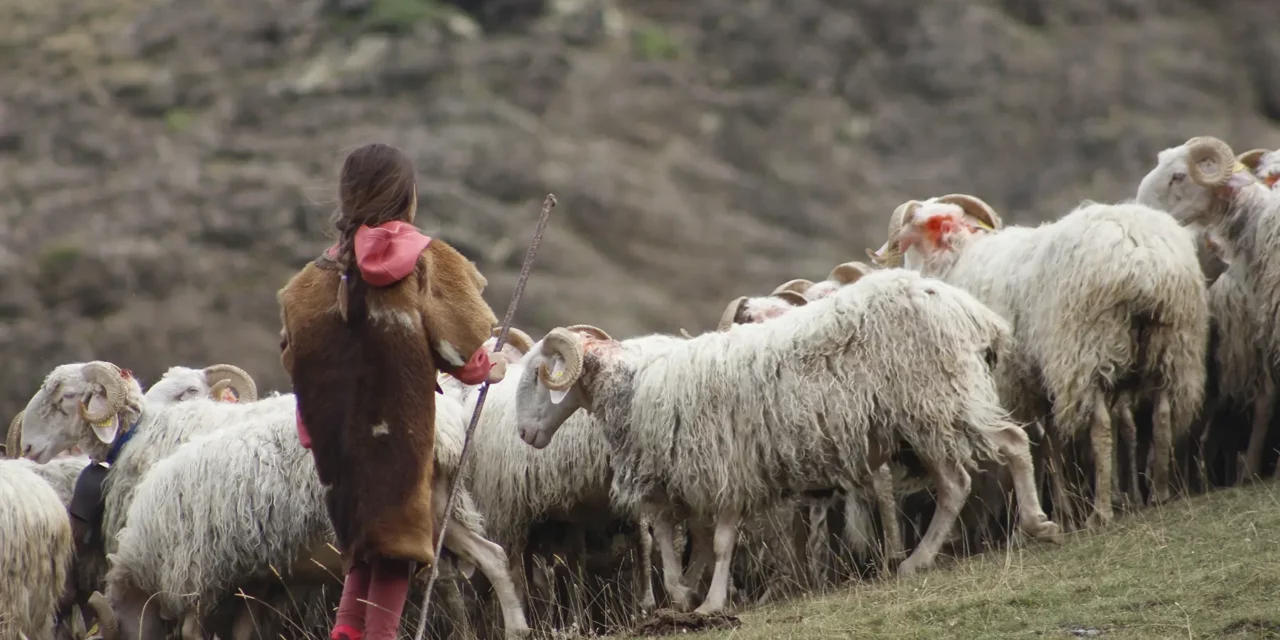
pixel 1176 178
pixel 192 390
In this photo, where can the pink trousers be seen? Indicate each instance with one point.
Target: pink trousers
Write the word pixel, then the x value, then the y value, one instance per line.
pixel 373 596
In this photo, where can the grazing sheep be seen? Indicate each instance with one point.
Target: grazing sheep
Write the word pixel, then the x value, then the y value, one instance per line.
pixel 35 552
pixel 1108 305
pixel 516 487
pixel 728 423
pixel 1203 185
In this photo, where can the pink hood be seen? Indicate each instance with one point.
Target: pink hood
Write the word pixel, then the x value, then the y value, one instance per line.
pixel 388 252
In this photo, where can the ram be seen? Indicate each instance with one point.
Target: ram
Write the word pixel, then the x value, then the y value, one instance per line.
pixel 728 423
pixel 1204 186
pixel 100 408
pixel 219 532
pixel 1108 306
pixel 516 487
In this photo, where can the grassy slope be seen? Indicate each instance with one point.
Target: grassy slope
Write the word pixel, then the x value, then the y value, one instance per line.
pixel 1204 568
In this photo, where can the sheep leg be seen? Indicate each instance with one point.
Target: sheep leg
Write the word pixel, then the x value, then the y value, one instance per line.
pixel 882 485
pixel 703 553
pixel 664 534
pixel 953 485
pixel 1162 446
pixel 1063 506
pixel 1261 423
pixel 725 537
pixel 451 599
pixel 1129 434
pixel 644 566
pixel 818 544
pixel 1014 444
pixel 1100 438
pixel 858 529
pixel 492 561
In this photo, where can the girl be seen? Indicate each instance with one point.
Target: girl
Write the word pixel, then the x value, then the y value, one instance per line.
pixel 367 325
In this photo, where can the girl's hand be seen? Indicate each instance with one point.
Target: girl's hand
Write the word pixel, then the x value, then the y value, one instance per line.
pixel 498 370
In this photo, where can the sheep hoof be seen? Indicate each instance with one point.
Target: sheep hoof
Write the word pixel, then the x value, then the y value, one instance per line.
pixel 1045 530
pixel 1098 520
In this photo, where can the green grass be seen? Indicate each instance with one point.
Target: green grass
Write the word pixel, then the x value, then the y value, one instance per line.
pixel 1204 568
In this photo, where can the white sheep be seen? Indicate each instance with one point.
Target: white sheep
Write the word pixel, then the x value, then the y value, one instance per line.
pixel 100 407
pixel 516 487
pixel 35 552
pixel 1203 185
pixel 858 529
pixel 220 531
pixel 726 423
pixel 222 382
pixel 1107 304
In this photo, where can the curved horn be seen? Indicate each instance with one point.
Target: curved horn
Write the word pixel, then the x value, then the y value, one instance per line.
pixel 561 342
pixel 792 298
pixel 799 285
pixel 107 625
pixel 516 338
pixel 1251 158
pixel 596 332
pixel 13 441
pixel 221 376
pixel 849 272
pixel 108 375
pixel 1202 149
pixel 974 207
pixel 730 315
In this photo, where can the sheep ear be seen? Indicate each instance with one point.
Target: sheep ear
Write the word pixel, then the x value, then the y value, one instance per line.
pixel 1240 178
pixel 106 432
pixel 557 369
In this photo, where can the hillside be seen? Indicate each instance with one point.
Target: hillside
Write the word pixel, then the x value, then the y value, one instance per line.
pixel 166 164
pixel 1204 568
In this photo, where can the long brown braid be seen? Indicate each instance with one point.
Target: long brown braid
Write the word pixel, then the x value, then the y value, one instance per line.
pixel 377 185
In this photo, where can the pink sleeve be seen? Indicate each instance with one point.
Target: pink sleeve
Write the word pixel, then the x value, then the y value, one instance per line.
pixel 303 436
pixel 476 370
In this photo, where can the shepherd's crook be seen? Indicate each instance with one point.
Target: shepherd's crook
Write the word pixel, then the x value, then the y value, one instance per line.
pixel 547 204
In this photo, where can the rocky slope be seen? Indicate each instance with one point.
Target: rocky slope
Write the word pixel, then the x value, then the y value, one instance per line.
pixel 165 165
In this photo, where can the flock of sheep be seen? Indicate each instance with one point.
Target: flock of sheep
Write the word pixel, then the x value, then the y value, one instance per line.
pixel 825 428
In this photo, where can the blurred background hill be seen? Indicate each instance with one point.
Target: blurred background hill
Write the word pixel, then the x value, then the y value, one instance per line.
pixel 166 165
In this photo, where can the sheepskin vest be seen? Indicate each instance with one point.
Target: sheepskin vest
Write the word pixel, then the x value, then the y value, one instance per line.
pixel 366 393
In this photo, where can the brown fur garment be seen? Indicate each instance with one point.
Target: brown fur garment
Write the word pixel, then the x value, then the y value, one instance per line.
pixel 367 393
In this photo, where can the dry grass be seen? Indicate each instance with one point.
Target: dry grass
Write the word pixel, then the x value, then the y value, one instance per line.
pixel 1204 568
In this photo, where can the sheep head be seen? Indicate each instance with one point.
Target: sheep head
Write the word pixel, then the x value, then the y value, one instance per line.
pixel 518 343
pixel 744 310
pixel 85 404
pixel 934 229
pixel 230 383
pixel 1196 181
pixel 843 275
pixel 1264 164
pixel 553 386
pixel 967 215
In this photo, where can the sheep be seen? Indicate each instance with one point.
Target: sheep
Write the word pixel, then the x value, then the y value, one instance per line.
pixel 1107 304
pixel 223 382
pixel 726 423
pixel 1204 186
pixel 516 487
pixel 35 551
pixel 858 532
pixel 219 531
pixel 100 408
